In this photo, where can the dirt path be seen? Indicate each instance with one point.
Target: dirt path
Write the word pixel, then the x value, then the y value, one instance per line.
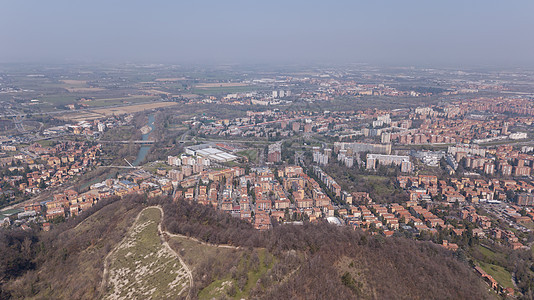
pixel 199 241
pixel 106 259
pixel 162 234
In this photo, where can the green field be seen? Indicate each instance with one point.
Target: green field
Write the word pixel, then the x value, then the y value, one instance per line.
pixel 220 288
pixel 488 253
pixel 499 273
pixel 251 154
pixel 153 167
pixel 223 90
pixel 141 267
pixel 120 100
pixel 47 143
pixel 375 178
pixel 250 265
pixel 195 253
pixel 59 99
pixel 379 184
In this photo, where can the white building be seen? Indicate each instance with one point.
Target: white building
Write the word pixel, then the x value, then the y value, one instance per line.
pixel 399 160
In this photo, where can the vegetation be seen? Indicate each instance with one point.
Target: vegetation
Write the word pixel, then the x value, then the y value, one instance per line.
pixel 313 261
pixel 251 154
pixel 499 273
pixel 380 184
pixel 141 261
pixel 307 255
pixel 66 262
pixel 505 265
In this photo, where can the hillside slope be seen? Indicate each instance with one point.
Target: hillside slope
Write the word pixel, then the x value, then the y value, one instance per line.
pixel 229 259
pixel 68 260
pixel 324 261
pixel 143 260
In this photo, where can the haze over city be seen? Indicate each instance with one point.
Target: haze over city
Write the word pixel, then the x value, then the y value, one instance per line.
pixel 424 33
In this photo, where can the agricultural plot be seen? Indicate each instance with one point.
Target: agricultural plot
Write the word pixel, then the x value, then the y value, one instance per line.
pixel 220 85
pixel 88 115
pixel 132 108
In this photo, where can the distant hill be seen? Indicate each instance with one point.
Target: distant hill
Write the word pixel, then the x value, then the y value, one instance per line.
pixel 229 259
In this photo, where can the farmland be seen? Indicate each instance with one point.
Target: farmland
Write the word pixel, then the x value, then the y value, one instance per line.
pixel 119 110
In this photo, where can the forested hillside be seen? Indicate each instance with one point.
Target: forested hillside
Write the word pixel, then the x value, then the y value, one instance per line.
pixel 324 261
pixel 318 261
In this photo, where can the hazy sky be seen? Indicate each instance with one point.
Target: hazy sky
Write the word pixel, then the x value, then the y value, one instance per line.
pixel 400 32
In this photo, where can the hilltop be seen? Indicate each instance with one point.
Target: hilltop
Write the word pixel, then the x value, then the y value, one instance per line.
pixel 227 258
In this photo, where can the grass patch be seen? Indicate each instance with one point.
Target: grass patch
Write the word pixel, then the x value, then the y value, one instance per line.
pixel 47 143
pixel 499 273
pixel 488 253
pixel 141 267
pixel 121 100
pixel 223 90
pixel 58 99
pixel 254 275
pixel 230 164
pixel 374 178
pixel 251 154
pixel 250 267
pixel 216 289
pixel 195 253
pixel 153 167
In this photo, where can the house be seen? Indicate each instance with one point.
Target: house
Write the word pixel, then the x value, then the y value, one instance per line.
pixel 304 203
pixel 262 204
pixel 329 211
pixel 388 233
pixel 35 206
pixel 55 212
pixel 281 204
pixel 488 278
pixel 449 246
pixel 262 221
pixel 278 214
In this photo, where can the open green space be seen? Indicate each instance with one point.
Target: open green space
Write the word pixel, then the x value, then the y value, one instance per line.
pixel 220 288
pixel 120 100
pixel 223 90
pixel 47 143
pixel 238 269
pixel 59 99
pixel 251 154
pixel 374 178
pixel 490 254
pixel 141 267
pixel 230 164
pixel 153 167
pixel 499 273
pixel 195 253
